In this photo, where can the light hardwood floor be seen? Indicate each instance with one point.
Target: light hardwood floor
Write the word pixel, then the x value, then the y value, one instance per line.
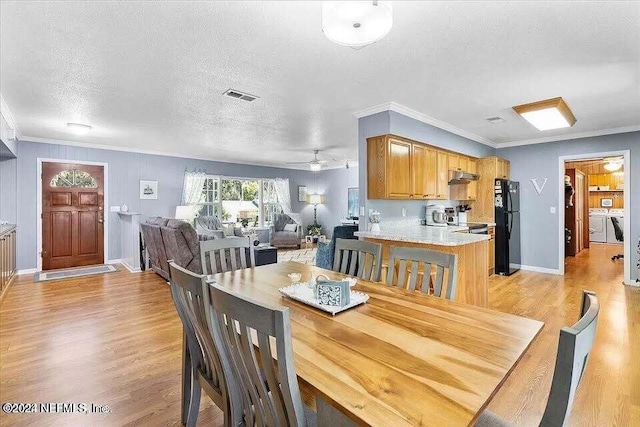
pixel 115 340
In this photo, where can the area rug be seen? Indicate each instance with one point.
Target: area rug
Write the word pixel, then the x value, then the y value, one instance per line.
pixel 74 272
pixel 303 256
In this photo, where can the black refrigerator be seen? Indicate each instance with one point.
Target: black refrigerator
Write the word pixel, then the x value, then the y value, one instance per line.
pixel 507 210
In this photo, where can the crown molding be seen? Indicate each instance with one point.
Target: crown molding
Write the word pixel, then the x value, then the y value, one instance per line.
pixel 40 140
pixel 406 111
pixel 568 137
pixel 6 113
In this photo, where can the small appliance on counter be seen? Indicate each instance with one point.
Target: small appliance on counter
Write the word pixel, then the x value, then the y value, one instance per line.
pixel 462 213
pixel 435 216
pixel 452 218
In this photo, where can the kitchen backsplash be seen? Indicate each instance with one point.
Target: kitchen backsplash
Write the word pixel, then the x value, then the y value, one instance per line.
pixel 391 210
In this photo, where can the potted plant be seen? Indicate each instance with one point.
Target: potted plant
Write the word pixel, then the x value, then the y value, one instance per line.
pixel 314 230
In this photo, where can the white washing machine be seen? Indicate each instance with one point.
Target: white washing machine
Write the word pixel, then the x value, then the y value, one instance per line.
pixel 611 235
pixel 598 225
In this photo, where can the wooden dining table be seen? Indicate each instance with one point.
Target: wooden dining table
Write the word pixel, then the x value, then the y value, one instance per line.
pixel 401 359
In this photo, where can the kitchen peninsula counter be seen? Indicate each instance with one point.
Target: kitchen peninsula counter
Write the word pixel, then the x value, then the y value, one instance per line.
pixel 472 250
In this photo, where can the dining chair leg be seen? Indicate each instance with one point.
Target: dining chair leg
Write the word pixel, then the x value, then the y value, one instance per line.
pixel 194 399
pixel 186 380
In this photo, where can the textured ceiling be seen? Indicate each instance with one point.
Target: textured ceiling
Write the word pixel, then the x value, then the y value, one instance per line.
pixel 150 75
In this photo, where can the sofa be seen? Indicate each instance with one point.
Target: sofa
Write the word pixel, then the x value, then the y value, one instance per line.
pixel 210 227
pixel 326 250
pixel 174 239
pixel 283 234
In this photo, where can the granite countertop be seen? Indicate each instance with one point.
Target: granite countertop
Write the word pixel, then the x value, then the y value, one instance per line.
pixel 5 228
pixel 439 236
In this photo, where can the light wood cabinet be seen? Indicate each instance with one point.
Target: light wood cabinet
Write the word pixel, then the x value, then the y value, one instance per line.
pixel 431 168
pixel 442 181
pixel 489 169
pixel 472 188
pixel 399 164
pixel 398 168
pixel 7 257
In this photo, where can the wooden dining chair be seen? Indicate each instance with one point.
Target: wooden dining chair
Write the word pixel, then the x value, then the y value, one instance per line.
pixel 358 258
pixel 415 257
pixel 269 389
pixel 574 347
pixel 229 254
pixel 204 362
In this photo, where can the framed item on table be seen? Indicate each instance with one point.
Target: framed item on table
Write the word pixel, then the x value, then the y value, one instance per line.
pixel 606 203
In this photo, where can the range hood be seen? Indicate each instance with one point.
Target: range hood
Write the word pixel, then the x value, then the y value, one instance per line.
pixel 461 177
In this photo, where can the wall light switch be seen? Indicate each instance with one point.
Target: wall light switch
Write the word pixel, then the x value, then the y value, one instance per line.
pixel 552 209
pixel 114 209
pixel 404 212
pixel 361 210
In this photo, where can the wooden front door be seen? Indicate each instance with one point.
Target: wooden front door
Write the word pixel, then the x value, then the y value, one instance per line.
pixel 72 215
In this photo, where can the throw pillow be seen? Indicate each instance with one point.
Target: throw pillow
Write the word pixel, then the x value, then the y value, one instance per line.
pixel 237 231
pixel 291 227
pixel 228 231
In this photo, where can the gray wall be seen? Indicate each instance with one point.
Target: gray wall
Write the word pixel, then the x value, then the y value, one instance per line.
pixel 398 124
pixel 333 185
pixel 8 189
pixel 540 245
pixel 125 171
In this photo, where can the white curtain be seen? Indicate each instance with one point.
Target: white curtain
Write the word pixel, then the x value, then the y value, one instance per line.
pixel 192 187
pixel 283 192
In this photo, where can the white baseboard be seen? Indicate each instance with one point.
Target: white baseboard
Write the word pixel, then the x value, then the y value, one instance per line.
pixel 541 270
pixel 124 264
pixel 27 271
pixel 632 283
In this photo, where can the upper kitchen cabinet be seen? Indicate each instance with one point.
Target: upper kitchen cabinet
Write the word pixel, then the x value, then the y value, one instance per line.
pixel 398 168
pixel 503 168
pixel 389 168
pixel 489 169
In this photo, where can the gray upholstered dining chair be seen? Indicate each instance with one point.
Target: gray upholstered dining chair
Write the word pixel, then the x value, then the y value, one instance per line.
pixel 417 256
pixel 206 368
pixel 574 347
pixel 222 255
pixel 269 389
pixel 358 258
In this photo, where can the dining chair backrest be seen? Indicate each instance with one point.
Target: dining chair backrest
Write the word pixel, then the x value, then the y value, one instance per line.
pixel 574 348
pixel 416 256
pixel 228 254
pixel 187 294
pixel 358 258
pixel 269 390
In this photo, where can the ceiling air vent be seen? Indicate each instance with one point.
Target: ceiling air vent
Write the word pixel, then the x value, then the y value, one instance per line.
pixel 240 95
pixel 494 120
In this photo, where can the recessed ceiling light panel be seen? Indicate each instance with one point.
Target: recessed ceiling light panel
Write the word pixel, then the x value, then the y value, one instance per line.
pixel 548 114
pixel 79 128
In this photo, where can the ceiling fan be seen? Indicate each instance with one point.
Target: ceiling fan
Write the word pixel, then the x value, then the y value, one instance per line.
pixel 315 164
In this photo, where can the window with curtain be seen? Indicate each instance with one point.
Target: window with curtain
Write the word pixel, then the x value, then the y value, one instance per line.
pixel 236 200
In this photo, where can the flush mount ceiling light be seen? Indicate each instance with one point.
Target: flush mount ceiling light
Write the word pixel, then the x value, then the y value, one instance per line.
pixel 548 114
pixel 79 128
pixel 356 23
pixel 613 164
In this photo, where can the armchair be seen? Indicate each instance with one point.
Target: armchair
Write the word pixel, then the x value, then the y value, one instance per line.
pixel 209 226
pixel 326 250
pixel 279 237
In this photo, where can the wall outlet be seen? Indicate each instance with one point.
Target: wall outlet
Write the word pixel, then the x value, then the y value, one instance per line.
pixel 552 209
pixel 404 212
pixel 114 209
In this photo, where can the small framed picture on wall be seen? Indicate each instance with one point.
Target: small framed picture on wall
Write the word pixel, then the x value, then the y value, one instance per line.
pixel 302 193
pixel 606 203
pixel 148 190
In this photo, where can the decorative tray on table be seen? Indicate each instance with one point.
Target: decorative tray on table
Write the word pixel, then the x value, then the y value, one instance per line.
pixel 303 293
